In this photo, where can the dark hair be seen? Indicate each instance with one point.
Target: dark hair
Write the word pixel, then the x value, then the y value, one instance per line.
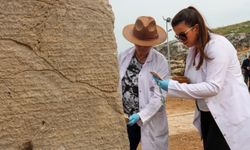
pixel 191 16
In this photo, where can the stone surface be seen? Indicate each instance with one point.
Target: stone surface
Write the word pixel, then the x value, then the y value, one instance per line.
pixel 58 76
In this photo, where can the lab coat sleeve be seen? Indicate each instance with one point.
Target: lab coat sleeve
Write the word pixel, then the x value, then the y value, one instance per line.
pixel 155 102
pixel 216 69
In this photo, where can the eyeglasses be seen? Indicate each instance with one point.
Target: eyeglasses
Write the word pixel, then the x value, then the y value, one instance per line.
pixel 183 35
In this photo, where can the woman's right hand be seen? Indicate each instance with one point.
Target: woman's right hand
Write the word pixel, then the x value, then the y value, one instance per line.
pixel 163 84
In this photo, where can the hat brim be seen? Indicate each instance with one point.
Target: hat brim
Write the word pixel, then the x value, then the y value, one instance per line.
pixel 128 34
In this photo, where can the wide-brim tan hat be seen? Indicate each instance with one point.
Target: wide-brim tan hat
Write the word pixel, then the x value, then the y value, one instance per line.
pixel 144 32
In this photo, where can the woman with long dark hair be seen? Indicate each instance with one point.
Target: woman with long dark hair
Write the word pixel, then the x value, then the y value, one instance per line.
pixel 216 83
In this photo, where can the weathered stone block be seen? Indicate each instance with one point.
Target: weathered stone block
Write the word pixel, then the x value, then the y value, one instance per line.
pixel 59 76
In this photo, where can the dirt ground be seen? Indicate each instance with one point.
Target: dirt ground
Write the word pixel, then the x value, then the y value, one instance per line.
pixel 183 135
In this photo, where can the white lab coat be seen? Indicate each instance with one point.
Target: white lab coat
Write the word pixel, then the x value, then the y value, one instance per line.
pixel 222 87
pixel 154 126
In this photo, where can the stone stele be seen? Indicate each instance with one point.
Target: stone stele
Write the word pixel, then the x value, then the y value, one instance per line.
pixel 59 76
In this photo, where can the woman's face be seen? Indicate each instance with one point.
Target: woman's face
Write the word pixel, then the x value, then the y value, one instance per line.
pixel 186 34
pixel 143 48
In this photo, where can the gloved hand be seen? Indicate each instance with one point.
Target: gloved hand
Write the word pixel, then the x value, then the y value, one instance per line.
pixel 162 83
pixel 133 119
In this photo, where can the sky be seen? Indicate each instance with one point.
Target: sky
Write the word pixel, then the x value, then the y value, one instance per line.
pixel 217 13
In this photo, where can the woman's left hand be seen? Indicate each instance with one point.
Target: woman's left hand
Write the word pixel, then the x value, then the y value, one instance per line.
pixel 181 79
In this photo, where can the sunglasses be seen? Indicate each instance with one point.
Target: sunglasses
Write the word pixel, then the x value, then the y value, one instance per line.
pixel 183 35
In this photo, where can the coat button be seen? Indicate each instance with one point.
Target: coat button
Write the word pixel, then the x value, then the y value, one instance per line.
pixel 215 117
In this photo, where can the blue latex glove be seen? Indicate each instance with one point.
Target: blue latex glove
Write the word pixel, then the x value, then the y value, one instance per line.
pixel 133 119
pixel 163 84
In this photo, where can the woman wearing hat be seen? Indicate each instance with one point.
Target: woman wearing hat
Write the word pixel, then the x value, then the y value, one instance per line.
pixel 223 102
pixel 142 98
